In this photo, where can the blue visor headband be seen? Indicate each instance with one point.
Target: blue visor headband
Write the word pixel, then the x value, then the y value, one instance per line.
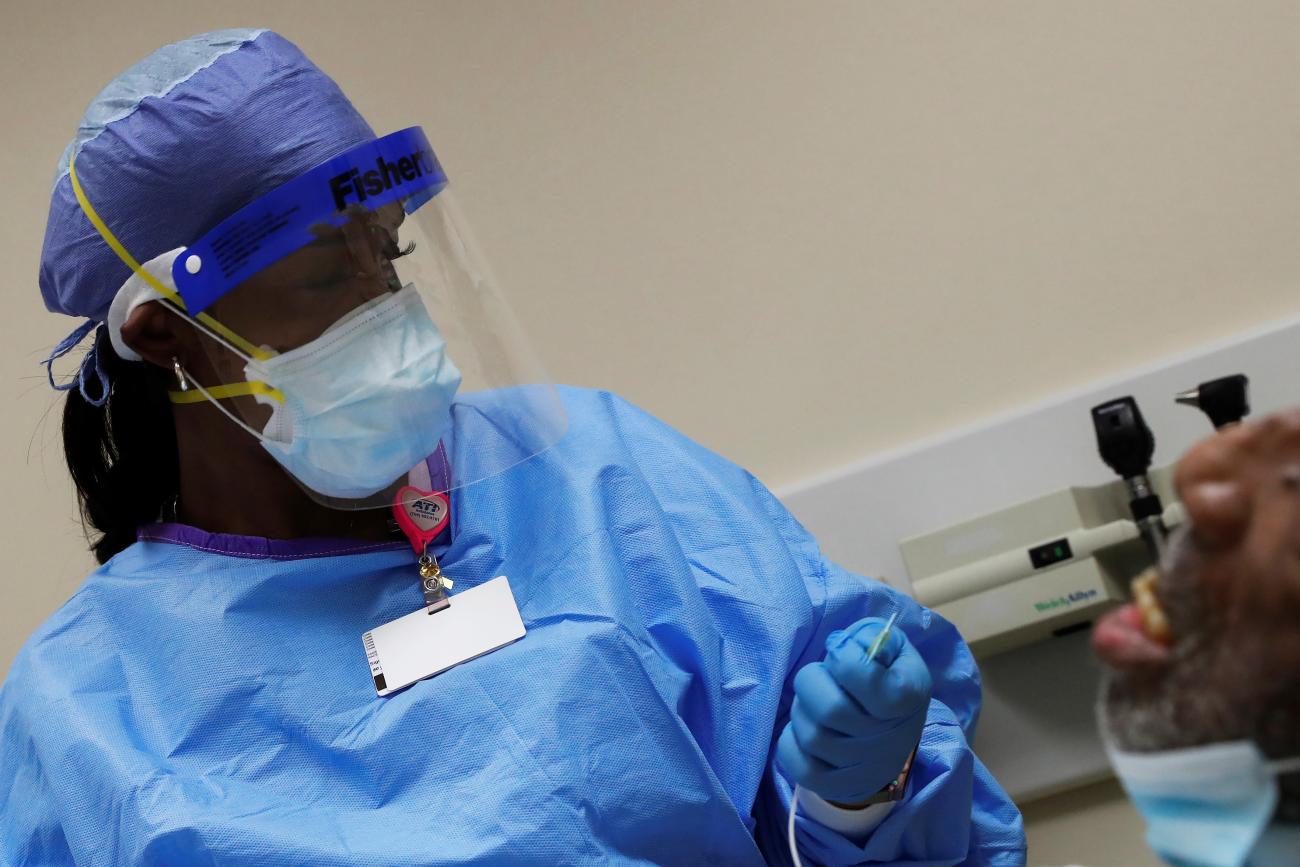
pixel 398 167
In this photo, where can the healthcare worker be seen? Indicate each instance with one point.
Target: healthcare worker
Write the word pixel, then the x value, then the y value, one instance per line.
pixel 374 592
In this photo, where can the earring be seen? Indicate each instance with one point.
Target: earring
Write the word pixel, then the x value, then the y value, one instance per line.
pixel 181 382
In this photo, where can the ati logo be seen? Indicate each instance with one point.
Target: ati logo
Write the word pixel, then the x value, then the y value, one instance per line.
pixel 384 176
pixel 426 510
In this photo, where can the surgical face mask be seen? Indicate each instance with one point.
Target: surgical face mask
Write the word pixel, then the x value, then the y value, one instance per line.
pixel 363 403
pixel 1205 805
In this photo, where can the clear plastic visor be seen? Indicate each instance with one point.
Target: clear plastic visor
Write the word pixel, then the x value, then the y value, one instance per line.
pixel 378 351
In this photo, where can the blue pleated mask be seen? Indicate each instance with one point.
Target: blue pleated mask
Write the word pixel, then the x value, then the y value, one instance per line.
pixel 1206 806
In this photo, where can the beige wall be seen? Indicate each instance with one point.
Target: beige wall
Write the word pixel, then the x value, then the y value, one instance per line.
pixel 801 232
pixel 1094 826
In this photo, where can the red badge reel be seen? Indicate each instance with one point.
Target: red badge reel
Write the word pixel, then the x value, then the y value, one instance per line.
pixel 422 515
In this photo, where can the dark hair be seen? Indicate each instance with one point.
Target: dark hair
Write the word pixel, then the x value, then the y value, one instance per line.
pixel 122 455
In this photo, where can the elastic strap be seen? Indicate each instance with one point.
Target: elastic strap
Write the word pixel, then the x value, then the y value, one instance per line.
pixel 1282 767
pixel 157 285
pixel 210 395
pixel 218 392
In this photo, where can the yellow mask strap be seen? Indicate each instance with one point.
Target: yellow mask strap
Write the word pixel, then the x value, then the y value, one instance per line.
pixel 165 291
pixel 235 389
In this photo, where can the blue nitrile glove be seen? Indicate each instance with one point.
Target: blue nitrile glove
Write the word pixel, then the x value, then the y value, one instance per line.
pixel 853 723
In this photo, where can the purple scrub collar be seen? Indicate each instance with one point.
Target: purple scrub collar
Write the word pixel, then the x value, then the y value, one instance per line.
pixel 258 547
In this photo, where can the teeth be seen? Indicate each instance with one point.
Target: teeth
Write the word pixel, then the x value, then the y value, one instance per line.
pixel 1154 622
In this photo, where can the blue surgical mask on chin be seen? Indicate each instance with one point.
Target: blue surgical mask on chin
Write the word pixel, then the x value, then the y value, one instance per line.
pixel 365 402
pixel 1206 806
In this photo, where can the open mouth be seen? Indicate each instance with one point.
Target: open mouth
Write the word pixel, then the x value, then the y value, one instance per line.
pixel 1137 634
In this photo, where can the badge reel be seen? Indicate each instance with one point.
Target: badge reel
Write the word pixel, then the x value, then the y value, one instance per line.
pixel 448 630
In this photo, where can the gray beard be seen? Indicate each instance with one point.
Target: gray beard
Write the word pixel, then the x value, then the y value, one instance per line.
pixel 1209 694
pixel 1180 706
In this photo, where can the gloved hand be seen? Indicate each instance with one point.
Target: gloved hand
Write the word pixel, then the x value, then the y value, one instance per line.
pixel 853 723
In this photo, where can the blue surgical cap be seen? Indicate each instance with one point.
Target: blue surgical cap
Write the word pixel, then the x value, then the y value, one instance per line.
pixel 179 141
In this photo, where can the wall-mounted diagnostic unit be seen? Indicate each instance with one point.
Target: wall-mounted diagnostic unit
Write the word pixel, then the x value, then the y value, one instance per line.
pixel 1045 566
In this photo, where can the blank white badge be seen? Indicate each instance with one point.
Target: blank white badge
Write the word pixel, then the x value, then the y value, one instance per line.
pixel 421 644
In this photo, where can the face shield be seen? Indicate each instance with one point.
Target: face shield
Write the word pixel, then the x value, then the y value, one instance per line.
pixel 348 324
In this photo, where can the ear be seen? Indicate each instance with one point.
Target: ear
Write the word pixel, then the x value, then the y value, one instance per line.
pixel 159 336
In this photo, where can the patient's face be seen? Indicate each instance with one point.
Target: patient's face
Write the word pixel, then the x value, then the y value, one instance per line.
pixel 1230 589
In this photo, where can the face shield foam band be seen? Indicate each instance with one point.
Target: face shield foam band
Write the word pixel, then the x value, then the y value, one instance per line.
pixel 169 294
pixel 400 167
pixel 137 291
pixel 202 321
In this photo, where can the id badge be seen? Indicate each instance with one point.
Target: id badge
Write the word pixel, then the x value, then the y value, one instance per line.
pixel 423 644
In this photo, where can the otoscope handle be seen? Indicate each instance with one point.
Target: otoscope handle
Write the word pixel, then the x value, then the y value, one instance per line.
pixel 1127 445
pixel 1125 442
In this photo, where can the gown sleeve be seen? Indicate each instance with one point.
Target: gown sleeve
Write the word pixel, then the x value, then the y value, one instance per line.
pixel 31 833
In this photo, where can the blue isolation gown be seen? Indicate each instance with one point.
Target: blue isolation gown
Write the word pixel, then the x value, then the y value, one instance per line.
pixel 205 699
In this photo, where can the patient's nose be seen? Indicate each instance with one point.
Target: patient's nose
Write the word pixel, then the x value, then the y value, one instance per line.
pixel 1214 484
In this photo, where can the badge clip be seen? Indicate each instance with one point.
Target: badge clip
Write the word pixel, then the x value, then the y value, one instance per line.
pixel 433 584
